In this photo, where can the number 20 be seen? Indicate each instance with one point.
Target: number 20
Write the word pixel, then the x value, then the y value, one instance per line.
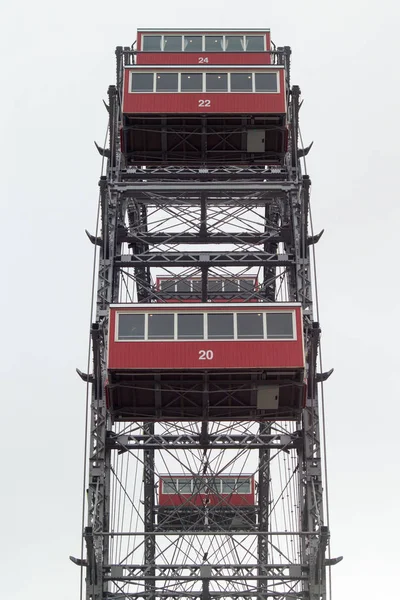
pixel 204 102
pixel 206 354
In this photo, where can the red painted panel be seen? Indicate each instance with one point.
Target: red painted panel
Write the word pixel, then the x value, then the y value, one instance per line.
pixel 196 58
pixel 186 355
pixel 209 499
pixel 225 300
pixel 198 103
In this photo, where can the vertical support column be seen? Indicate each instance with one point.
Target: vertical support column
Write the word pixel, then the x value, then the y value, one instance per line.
pixel 311 498
pixel 272 218
pixel 149 514
pixel 112 215
pixel 311 501
pixel 99 457
pixel 264 457
pixel 204 435
pixel 98 485
pixel 205 572
pixel 203 235
pixel 204 140
pixel 137 217
pixel 300 216
pixel 313 547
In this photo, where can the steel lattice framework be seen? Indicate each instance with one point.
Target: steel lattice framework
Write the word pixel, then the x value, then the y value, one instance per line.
pixel 204 222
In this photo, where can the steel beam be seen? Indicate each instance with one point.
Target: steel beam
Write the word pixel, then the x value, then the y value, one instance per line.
pixel 126 442
pixel 188 237
pixel 189 259
pixel 209 187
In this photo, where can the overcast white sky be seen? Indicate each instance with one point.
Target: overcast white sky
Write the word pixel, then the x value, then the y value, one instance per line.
pixel 57 62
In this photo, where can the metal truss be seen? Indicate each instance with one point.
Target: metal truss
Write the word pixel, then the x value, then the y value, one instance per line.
pixel 187 259
pixel 125 442
pixel 218 173
pixel 203 221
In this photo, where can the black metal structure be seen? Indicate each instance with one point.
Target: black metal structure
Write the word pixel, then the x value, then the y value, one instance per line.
pixel 183 211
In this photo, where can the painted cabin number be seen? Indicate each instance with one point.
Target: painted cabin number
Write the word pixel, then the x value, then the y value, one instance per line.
pixel 203 60
pixel 206 354
pixel 203 103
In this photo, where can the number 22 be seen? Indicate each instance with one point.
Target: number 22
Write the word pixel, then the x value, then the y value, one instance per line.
pixel 206 103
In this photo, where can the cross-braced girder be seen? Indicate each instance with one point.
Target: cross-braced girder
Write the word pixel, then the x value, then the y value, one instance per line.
pixel 200 140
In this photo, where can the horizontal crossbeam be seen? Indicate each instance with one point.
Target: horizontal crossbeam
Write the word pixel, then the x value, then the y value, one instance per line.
pixel 188 174
pixel 206 186
pixel 226 193
pixel 198 595
pixel 214 569
pixel 208 533
pixel 190 259
pixel 228 577
pixel 197 238
pixel 159 442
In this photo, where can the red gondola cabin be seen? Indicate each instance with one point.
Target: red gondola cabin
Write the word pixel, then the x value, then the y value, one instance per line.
pixel 181 47
pixel 234 289
pixel 224 103
pixel 224 490
pixel 219 502
pixel 220 361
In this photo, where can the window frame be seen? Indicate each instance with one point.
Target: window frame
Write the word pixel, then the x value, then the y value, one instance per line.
pixel 280 339
pixel 204 74
pixel 171 288
pixel 256 35
pixel 278 83
pixel 168 481
pixel 176 323
pixel 228 82
pixel 241 73
pixel 247 480
pixel 205 337
pixel 157 73
pixel 160 35
pixel 224 481
pixel 190 73
pixel 174 326
pixel 164 35
pixel 215 489
pixel 234 329
pixel 237 480
pixel 264 326
pixel 184 35
pixel 244 37
pixel 216 35
pixel 187 480
pixel 147 72
pixel 132 339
